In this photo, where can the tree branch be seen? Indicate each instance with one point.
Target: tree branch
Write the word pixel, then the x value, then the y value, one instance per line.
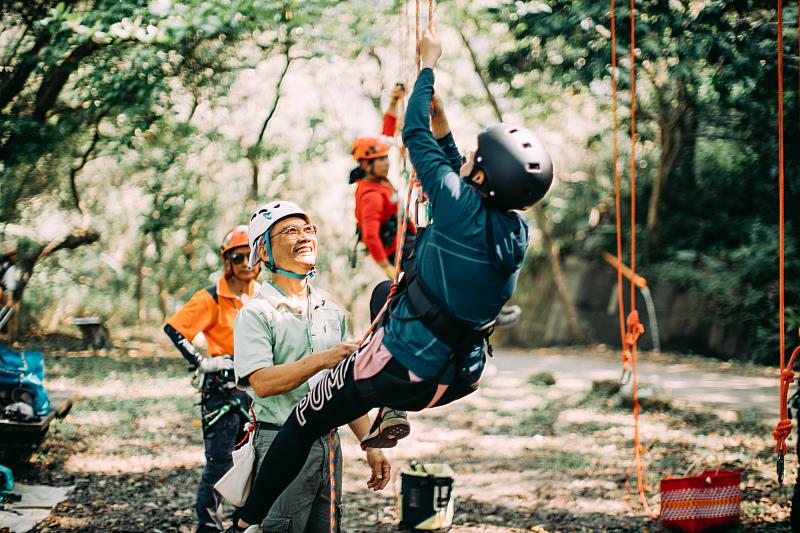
pixel 54 81
pixel 14 85
pixel 73 172
pixel 71 241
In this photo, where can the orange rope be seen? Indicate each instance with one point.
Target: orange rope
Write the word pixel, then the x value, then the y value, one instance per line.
pixel 634 327
pixel 332 466
pixel 629 336
pixel 417 26
pixel 626 356
pixel 784 427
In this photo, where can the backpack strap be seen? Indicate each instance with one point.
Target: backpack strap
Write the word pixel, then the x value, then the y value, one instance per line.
pixel 212 290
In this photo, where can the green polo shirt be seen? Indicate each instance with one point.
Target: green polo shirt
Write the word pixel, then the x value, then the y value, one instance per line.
pixel 272 330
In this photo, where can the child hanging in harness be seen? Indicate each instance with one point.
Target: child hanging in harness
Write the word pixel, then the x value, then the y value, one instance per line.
pixel 431 349
pixel 376 199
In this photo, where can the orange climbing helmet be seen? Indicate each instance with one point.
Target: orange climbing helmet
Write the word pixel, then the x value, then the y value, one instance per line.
pixel 234 238
pixel 369 148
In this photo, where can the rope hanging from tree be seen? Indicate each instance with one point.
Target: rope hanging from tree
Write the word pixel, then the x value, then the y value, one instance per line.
pixel 786 377
pixel 630 329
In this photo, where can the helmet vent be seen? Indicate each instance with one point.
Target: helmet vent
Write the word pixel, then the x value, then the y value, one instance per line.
pixel 527 145
pixel 513 130
pixel 534 167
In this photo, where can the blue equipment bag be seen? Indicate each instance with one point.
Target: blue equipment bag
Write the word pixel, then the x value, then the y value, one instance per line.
pixel 22 379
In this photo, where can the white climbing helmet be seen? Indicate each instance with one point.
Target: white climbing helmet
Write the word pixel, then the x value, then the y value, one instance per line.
pixel 264 218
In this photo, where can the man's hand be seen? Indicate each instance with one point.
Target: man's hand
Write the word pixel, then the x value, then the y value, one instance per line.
pixel 215 364
pixel 381 469
pixel 439 124
pixel 430 49
pixel 331 358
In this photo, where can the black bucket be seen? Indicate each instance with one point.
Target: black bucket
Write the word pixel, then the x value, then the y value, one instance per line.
pixel 426 502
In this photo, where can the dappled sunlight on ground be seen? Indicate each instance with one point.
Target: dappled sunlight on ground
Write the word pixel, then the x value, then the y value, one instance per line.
pixel 105 463
pixel 526 457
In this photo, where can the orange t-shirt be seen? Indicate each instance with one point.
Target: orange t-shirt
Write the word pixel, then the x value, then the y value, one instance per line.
pixel 214 319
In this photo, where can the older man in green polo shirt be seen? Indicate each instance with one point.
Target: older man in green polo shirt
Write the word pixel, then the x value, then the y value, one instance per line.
pixel 285 337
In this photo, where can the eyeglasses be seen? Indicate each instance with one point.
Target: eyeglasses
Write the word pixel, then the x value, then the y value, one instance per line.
pixel 294 231
pixel 238 258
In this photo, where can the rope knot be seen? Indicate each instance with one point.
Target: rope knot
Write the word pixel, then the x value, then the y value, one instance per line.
pixel 781 433
pixel 635 330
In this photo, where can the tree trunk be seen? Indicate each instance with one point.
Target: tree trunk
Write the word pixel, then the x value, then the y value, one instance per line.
pixel 672 139
pixel 254 173
pixel 252 152
pixel 139 291
pixel 14 85
pixel 550 245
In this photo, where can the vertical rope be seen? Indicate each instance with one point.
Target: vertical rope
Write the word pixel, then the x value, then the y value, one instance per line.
pixel 430 13
pixel 332 467
pixel 784 427
pixel 419 64
pixel 781 314
pixel 626 360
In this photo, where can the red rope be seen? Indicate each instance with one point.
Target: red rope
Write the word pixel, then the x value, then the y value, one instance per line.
pixel 332 466
pixel 786 378
pixel 629 336
pixel 634 327
pixel 626 360
pixel 417 26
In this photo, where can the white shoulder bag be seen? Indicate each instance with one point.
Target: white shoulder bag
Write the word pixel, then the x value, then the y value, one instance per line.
pixel 235 484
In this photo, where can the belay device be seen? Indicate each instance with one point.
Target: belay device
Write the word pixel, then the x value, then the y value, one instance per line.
pixel 426 501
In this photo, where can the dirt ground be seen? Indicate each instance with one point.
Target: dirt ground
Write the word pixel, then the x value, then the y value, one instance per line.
pixel 527 457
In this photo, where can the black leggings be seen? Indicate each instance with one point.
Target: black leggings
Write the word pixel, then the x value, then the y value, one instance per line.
pixel 336 400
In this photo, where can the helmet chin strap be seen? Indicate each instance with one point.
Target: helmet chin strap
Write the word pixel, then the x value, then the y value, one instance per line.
pixel 274 268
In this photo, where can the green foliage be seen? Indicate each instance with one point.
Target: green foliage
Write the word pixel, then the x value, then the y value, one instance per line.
pixel 706 75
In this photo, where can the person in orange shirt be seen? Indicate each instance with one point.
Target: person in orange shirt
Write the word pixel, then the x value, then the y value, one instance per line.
pixel 212 311
pixel 376 200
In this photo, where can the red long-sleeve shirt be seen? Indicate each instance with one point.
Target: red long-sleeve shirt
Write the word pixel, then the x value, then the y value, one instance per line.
pixel 376 203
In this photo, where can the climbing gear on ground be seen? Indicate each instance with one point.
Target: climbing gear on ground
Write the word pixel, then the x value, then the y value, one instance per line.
pixel 426 497
pixel 369 148
pixel 390 425
pixel 518 168
pixel 258 230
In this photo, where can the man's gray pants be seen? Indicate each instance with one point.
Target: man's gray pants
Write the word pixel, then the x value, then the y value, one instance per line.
pixel 305 505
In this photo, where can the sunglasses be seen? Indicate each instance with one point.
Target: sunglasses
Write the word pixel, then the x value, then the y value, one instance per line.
pixel 238 258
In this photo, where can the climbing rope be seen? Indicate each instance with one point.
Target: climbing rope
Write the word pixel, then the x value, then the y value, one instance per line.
pixel 630 329
pixel 626 360
pixel 332 467
pixel 784 427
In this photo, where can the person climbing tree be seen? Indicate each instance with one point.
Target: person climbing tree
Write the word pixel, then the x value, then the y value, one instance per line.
pixel 212 311
pixel 431 349
pixel 376 199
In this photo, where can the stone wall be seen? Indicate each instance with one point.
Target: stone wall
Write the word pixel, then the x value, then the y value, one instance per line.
pixel 682 322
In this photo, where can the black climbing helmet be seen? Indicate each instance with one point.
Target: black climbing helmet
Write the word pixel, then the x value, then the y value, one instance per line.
pixel 517 166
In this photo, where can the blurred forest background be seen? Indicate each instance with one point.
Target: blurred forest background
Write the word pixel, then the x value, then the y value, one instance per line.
pixel 134 133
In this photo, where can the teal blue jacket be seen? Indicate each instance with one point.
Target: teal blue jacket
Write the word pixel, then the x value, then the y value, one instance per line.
pixel 469 258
